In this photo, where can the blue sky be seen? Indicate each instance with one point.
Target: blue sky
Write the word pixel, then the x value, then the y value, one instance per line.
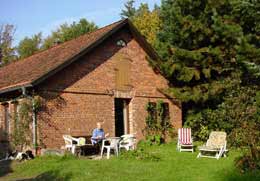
pixel 33 16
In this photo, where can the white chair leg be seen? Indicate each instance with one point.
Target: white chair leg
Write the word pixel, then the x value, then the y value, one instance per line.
pixel 108 152
pixel 102 150
pixel 199 155
pixel 116 151
pixel 73 149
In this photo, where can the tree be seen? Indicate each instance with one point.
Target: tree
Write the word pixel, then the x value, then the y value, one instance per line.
pixel 7 52
pixel 206 51
pixel 29 46
pixel 129 11
pixel 147 22
pixel 67 32
pixel 210 55
pixel 197 43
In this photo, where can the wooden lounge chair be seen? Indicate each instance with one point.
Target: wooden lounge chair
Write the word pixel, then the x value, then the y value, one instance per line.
pixel 184 140
pixel 215 146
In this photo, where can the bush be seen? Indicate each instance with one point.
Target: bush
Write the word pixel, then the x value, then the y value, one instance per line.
pixel 141 153
pixel 247 162
pixel 158 126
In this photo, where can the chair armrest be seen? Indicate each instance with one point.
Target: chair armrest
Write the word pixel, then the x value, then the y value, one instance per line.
pixel 76 139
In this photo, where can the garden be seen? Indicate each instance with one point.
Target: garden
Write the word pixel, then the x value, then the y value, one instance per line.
pixel 158 162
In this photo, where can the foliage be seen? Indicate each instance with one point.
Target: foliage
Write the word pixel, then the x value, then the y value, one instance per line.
pixel 145 20
pixel 129 10
pixel 247 163
pixel 141 153
pixel 29 46
pixel 7 52
pixel 158 125
pixel 22 134
pixel 238 107
pixel 197 42
pixel 210 54
pixel 247 134
pixel 67 32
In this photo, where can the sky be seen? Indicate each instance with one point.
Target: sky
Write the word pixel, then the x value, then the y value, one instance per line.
pixel 34 16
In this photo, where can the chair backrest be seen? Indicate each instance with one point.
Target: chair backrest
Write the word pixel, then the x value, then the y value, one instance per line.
pixel 67 139
pixel 81 141
pixel 217 139
pixel 128 138
pixel 184 135
pixel 112 142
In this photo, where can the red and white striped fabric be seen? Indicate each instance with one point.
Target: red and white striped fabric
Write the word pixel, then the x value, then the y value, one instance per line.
pixel 184 135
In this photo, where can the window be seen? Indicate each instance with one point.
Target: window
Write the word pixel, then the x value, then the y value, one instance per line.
pixel 166 113
pixel 123 66
pixel 121 43
pixel 154 109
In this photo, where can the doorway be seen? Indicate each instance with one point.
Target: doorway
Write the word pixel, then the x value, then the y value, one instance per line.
pixel 121 116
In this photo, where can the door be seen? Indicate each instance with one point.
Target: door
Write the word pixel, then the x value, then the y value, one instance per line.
pixel 121 116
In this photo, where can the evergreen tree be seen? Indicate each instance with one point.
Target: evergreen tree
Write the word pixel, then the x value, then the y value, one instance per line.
pixel 197 43
pixel 129 11
pixel 209 49
pixel 145 20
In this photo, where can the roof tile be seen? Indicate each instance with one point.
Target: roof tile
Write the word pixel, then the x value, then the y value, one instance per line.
pixel 25 71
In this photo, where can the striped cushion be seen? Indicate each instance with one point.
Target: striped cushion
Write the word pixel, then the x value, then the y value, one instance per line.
pixel 184 135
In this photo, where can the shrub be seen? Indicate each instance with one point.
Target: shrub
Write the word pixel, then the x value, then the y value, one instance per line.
pixel 158 126
pixel 141 153
pixel 247 162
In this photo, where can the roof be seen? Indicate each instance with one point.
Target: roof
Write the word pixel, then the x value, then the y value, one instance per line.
pixel 32 70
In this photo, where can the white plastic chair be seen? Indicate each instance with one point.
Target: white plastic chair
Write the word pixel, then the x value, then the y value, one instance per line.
pixel 110 144
pixel 69 142
pixel 127 142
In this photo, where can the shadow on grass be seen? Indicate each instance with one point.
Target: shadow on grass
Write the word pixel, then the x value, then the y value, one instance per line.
pixel 235 175
pixel 50 175
pixel 5 167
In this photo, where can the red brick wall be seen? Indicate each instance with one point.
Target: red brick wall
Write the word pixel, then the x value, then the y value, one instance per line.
pixel 73 109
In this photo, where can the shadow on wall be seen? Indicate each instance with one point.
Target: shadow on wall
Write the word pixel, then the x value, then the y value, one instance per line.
pixel 80 68
pixel 5 165
pixel 51 89
pixel 50 175
pixel 46 112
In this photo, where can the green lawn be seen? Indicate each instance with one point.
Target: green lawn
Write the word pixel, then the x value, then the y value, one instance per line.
pixel 171 166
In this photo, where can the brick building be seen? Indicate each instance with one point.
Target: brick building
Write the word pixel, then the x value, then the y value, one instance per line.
pixel 103 76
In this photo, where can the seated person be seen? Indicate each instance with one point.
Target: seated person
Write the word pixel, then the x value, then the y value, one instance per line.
pixel 98 134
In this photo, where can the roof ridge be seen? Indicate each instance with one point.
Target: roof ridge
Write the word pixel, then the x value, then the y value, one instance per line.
pixel 63 43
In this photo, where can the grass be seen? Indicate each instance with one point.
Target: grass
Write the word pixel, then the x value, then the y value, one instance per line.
pixel 171 166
